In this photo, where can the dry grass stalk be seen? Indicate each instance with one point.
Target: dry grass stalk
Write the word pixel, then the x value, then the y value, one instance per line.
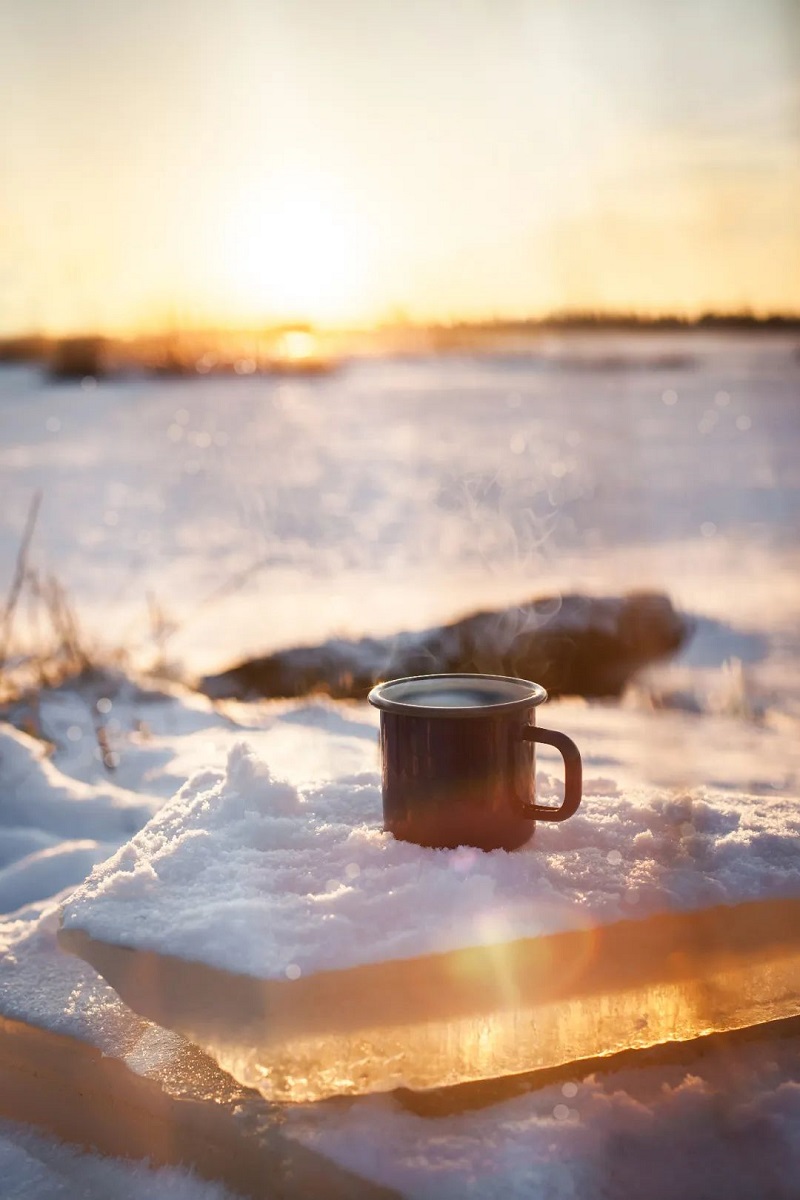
pixel 18 578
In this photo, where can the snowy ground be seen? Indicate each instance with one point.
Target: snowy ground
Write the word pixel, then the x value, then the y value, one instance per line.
pixel 257 875
pixel 257 512
pixel 33 1167
pixel 725 1126
pixel 391 495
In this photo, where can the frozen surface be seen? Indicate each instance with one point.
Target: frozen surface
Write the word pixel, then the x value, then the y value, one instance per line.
pixel 254 902
pixel 250 874
pixel 725 1125
pixel 49 990
pixel 77 1062
pixel 395 495
pixel 33 1166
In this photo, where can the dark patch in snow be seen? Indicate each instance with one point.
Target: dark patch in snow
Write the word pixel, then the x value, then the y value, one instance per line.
pixel 573 645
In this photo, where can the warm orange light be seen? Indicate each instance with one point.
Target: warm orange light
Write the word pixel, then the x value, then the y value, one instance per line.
pixel 297 345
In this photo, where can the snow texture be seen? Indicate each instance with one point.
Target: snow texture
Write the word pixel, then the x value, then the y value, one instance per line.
pixel 248 873
pixel 33 1167
pixel 397 495
pixel 49 990
pixel 54 828
pixel 725 1125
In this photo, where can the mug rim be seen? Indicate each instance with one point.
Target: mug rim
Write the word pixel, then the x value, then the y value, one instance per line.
pixel 534 695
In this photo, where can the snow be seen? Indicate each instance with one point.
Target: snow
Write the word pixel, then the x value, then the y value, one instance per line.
pixel 52 805
pixel 55 828
pixel 35 1166
pixel 393 496
pixel 52 991
pixel 79 1063
pixel 724 1125
pixel 249 874
pixel 35 791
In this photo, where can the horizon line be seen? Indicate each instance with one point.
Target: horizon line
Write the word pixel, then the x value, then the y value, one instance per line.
pixel 399 321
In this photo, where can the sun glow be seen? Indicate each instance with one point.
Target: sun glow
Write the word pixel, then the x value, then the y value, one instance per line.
pixel 296 252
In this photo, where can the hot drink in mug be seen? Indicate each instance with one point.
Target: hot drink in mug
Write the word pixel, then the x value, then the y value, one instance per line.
pixel 458 760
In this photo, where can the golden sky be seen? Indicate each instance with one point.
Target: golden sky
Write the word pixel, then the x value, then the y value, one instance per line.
pixel 340 160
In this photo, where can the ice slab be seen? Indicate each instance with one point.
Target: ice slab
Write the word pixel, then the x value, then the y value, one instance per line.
pixel 112 1081
pixel 485 1011
pixel 310 953
pixel 76 1062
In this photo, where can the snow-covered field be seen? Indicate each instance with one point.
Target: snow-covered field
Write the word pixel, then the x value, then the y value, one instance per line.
pixel 257 513
pixel 394 493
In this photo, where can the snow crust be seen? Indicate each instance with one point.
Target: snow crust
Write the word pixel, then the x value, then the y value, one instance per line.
pixel 49 990
pixel 248 873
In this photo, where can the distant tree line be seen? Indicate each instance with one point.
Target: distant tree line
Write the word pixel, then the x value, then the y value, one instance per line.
pixel 629 321
pixel 93 355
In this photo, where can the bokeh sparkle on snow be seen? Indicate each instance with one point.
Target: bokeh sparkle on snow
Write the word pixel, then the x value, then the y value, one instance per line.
pixel 250 874
pixel 391 496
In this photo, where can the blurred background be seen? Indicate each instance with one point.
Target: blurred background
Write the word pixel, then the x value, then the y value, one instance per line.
pixel 354 160
pixel 344 316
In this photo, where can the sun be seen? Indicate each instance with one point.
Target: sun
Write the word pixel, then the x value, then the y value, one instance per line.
pixel 294 252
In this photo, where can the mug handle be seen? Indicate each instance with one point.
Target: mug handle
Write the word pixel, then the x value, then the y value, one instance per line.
pixel 573 775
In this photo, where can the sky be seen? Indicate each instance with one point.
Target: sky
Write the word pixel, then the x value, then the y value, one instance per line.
pixel 190 161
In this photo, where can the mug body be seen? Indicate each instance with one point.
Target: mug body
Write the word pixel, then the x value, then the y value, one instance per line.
pixel 457 765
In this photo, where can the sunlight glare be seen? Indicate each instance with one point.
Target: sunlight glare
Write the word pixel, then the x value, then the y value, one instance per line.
pixel 299 253
pixel 297 345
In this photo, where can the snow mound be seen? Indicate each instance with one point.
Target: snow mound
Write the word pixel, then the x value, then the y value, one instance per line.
pixel 251 874
pixel 36 793
pixel 726 1124
pixel 54 828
